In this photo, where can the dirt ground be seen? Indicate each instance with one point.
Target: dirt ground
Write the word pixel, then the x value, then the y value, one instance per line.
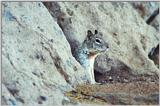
pixel 119 87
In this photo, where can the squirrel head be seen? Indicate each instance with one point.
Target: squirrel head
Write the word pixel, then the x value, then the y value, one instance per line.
pixel 95 42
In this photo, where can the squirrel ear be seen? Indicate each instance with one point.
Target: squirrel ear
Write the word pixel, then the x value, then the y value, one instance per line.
pixel 96 31
pixel 89 32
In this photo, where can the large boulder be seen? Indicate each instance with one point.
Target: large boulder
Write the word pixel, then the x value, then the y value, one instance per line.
pixel 145 10
pixel 37 64
pixel 128 35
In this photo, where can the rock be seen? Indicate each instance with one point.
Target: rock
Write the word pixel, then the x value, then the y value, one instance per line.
pixel 150 99
pixel 8 98
pixel 37 59
pixel 136 93
pixel 145 10
pixel 154 55
pixel 129 99
pixel 103 64
pixel 120 72
pixel 130 40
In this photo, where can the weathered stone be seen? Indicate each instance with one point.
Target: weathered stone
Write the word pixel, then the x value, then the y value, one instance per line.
pixel 154 55
pixel 136 93
pixel 145 10
pixel 129 37
pixel 36 56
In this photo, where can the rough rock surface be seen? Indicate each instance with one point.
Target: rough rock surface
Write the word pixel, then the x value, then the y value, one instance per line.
pixel 130 38
pixel 37 64
pixel 145 10
pixel 154 55
pixel 136 93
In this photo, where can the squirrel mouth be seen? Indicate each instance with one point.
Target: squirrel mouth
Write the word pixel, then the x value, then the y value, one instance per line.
pixel 92 54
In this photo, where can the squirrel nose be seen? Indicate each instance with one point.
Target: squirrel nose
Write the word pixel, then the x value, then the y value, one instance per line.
pixel 107 45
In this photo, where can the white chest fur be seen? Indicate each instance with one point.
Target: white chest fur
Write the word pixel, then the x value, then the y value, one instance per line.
pixel 91 69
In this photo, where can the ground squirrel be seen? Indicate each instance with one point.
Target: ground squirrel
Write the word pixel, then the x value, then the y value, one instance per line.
pixel 86 53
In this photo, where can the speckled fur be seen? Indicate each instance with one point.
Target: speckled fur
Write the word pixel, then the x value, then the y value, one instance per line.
pixel 86 53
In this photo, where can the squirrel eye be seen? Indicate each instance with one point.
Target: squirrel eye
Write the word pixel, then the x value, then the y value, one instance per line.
pixel 98 41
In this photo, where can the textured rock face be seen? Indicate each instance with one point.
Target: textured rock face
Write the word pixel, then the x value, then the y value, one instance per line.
pixel 146 9
pixel 37 61
pixel 137 93
pixel 154 55
pixel 130 38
